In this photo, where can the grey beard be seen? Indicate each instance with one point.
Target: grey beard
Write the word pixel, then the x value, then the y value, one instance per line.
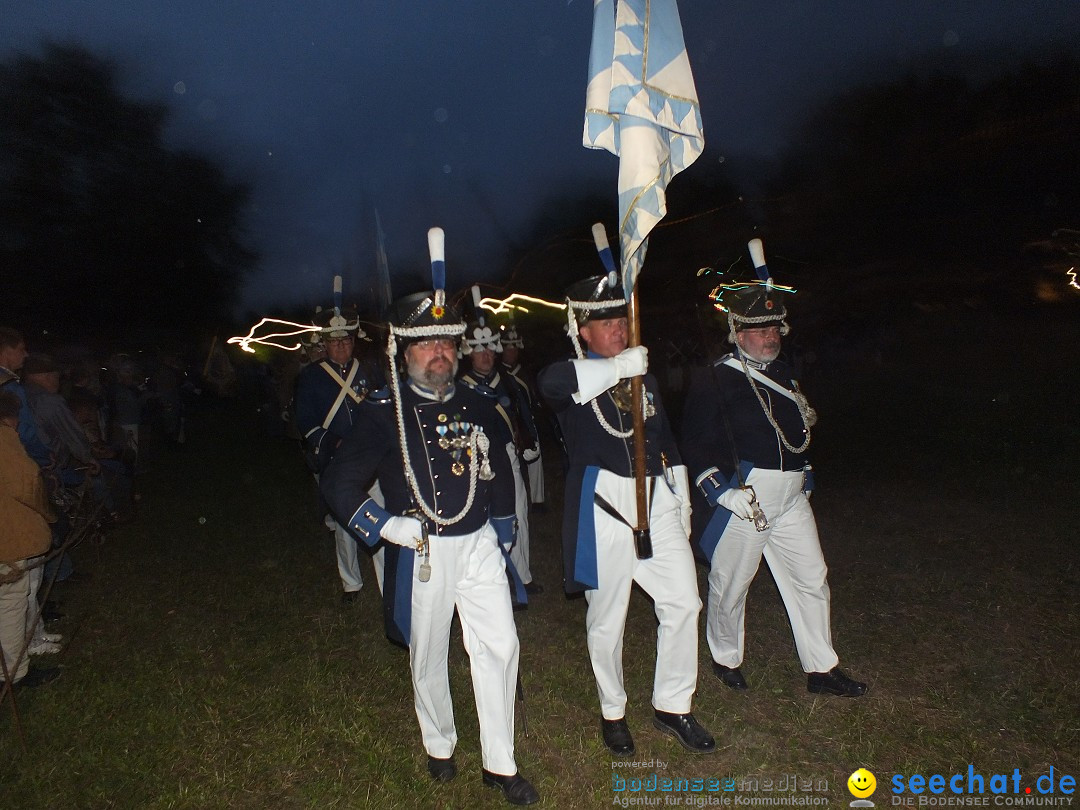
pixel 429 379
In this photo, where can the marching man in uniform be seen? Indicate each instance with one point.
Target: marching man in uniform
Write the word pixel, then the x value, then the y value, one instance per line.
pixel 449 506
pixel 328 393
pixel 591 398
pixel 480 345
pixel 510 361
pixel 746 429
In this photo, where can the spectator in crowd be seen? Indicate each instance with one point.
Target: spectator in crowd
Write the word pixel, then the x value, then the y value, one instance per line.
pixel 25 517
pixel 68 442
pixel 12 356
pixel 125 403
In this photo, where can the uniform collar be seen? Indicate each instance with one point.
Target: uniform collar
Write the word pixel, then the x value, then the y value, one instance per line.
pixel 751 361
pixel 431 393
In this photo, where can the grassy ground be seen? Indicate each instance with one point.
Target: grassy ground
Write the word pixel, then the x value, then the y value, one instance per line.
pixel 209 663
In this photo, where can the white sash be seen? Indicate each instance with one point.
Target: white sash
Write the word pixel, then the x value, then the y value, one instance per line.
pixel 346 390
pixel 761 378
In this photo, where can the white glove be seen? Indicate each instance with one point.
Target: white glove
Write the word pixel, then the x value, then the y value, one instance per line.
pixel 737 501
pixel 530 455
pixel 632 362
pixel 404 531
pixel 597 375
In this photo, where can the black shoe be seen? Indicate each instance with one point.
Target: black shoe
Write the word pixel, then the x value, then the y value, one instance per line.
pixel 441 770
pixel 349 597
pixel 516 788
pixel 617 736
pixel 36 677
pixel 729 676
pixel 834 682
pixel 49 613
pixel 533 588
pixel 686 730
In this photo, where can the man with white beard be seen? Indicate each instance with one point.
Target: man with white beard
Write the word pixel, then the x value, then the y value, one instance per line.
pixel 745 432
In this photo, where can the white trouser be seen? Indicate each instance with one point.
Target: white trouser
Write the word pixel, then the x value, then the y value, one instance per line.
pixel 349 555
pixel 536 478
pixel 668 577
pixel 467 572
pixel 792 550
pixel 36 576
pixel 14 618
pixel 519 554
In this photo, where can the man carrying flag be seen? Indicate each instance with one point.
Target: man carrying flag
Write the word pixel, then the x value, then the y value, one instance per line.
pixel 641 104
pixel 590 397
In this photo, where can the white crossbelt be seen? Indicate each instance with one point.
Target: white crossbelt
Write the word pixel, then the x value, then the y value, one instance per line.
pixel 346 390
pixel 761 378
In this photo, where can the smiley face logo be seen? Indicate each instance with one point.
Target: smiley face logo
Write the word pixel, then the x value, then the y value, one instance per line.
pixel 861 783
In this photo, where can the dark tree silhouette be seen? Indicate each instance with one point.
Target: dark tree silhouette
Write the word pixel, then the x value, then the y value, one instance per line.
pixel 937 163
pixel 103 229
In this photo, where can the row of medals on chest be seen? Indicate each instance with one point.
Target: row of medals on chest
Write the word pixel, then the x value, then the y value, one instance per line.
pixel 454 437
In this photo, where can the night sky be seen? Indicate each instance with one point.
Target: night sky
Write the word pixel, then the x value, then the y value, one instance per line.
pixel 469 114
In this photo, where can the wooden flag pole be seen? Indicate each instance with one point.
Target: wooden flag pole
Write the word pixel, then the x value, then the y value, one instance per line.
pixel 642 536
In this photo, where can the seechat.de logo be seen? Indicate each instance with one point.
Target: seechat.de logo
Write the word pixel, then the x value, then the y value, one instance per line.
pixel 862 785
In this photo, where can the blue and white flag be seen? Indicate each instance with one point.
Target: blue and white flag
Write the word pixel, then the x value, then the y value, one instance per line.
pixel 641 104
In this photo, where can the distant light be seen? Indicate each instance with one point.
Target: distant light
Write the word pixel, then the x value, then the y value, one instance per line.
pixel 500 305
pixel 1071 273
pixel 717 294
pixel 446 168
pixel 179 88
pixel 245 341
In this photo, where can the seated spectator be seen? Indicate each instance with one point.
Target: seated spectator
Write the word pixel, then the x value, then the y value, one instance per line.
pixel 65 437
pixel 25 517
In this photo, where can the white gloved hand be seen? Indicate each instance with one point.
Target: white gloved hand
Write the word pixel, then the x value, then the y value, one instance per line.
pixel 632 362
pixel 530 455
pixel 737 501
pixel 403 531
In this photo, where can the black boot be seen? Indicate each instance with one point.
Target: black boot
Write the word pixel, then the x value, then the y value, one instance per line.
pixel 516 788
pixel 834 682
pixel 731 677
pixel 617 736
pixel 687 730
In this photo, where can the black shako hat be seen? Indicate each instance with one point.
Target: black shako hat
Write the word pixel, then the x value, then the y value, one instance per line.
pixel 419 316
pixel 754 304
pixel 597 298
